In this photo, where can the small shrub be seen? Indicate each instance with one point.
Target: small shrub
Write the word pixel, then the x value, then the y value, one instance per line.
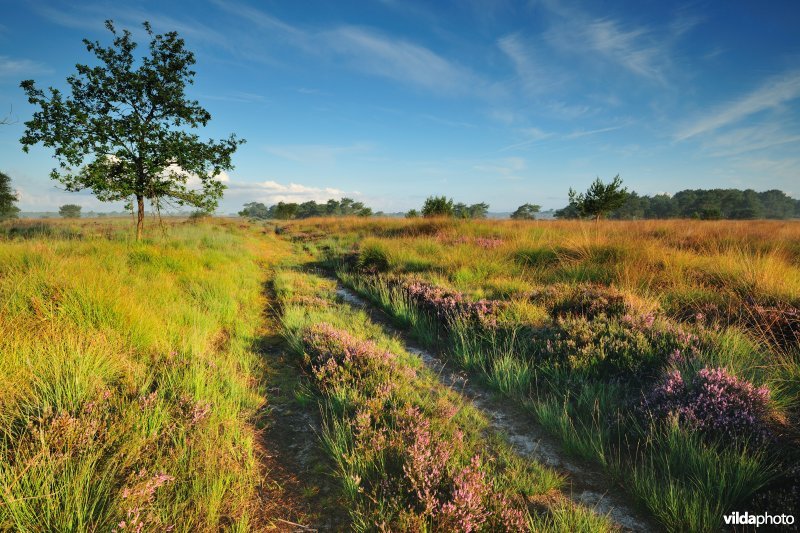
pixel 590 301
pixel 373 258
pixel 448 306
pixel 713 402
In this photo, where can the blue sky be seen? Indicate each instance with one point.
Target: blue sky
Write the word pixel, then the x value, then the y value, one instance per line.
pixel 506 102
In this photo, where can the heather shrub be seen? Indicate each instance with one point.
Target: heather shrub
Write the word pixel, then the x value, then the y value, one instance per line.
pixel 590 301
pixel 599 347
pixel 714 402
pixel 448 306
pixel 337 358
pixel 631 348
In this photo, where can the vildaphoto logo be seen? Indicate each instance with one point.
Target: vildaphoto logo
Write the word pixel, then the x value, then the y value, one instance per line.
pixel 764 519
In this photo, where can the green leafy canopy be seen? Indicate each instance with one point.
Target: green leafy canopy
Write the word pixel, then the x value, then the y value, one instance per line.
pixel 123 131
pixel 7 199
pixel 599 199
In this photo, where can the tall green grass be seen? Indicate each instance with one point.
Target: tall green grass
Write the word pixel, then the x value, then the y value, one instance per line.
pixel 128 378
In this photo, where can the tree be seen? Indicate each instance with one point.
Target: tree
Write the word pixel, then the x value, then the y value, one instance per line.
pixel 526 212
pixel 437 206
pixel 633 208
pixel 600 199
pixel 460 210
pixel 568 212
pixel 124 130
pixel 661 206
pixel 255 210
pixel 480 210
pixel 8 197
pixel 70 211
pixel 284 211
pixel 412 213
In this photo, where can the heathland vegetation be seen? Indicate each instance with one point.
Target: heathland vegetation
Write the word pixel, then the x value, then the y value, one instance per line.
pixel 667 352
pixel 219 375
pixel 664 353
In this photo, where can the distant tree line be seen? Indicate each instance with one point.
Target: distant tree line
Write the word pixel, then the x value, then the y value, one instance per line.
pixel 442 206
pixel 285 211
pixel 713 204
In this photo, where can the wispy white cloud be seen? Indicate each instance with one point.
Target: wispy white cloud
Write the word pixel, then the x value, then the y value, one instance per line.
pixel 685 22
pixel 568 111
pixel 634 48
pixel 271 192
pixel 532 73
pixel 645 51
pixel 397 59
pixel 31 198
pixel 368 51
pixel 584 133
pixel 626 47
pixel 236 96
pixel 92 16
pixel 533 136
pixel 316 153
pixel 749 139
pixel 18 68
pixel 264 20
pixel 508 168
pixel 772 93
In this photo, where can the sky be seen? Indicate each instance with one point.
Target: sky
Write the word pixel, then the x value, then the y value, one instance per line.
pixel 390 101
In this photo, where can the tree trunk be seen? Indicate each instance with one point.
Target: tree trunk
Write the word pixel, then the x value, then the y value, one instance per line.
pixel 139 217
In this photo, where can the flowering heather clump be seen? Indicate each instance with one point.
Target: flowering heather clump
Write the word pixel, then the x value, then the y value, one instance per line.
pixel 600 347
pixel 425 466
pixel 138 498
pixel 641 322
pixel 488 243
pixel 68 436
pixel 450 305
pixel 194 412
pixel 338 357
pixel 467 510
pixel 590 301
pixel 146 402
pixel 455 499
pixel 714 402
